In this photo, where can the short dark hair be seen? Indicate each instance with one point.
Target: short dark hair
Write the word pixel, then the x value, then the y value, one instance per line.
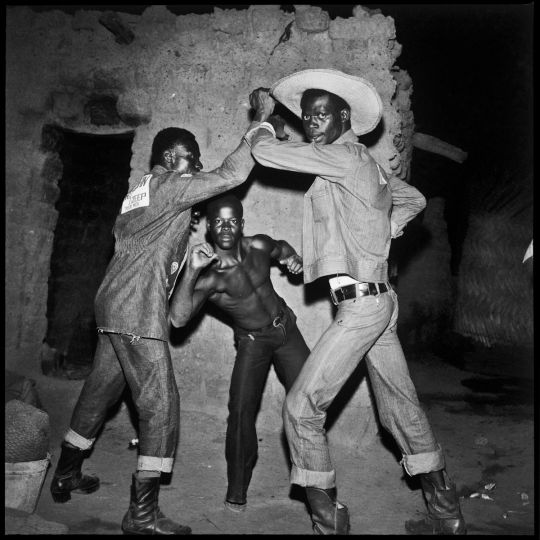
pixel 312 93
pixel 168 138
pixel 227 200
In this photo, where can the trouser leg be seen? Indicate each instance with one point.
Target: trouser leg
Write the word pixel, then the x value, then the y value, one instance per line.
pixel 399 410
pixel 357 325
pixel 290 357
pixel 149 374
pixel 102 389
pixel 402 415
pixel 249 374
pixel 398 406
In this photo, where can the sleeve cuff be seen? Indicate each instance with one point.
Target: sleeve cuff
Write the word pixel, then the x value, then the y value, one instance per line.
pixel 264 125
pixel 394 230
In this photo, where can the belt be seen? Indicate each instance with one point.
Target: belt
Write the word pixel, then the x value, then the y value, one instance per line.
pixel 357 289
pixel 279 319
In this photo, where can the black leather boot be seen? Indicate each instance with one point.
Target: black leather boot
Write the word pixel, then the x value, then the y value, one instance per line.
pixel 444 513
pixel 68 476
pixel 328 515
pixel 144 515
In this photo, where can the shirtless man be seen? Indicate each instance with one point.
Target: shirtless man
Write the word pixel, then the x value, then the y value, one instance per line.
pixel 234 273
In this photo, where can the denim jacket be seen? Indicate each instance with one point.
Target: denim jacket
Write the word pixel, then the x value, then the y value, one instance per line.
pixel 151 234
pixel 352 209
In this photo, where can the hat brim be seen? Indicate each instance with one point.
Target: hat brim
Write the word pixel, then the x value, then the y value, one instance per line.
pixel 361 95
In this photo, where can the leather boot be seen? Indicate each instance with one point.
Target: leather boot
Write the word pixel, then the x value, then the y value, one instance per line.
pixel 444 513
pixel 144 515
pixel 328 515
pixel 68 476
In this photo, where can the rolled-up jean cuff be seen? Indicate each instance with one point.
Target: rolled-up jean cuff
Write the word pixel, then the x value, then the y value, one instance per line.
pixel 320 479
pixel 72 437
pixel 149 463
pixel 423 463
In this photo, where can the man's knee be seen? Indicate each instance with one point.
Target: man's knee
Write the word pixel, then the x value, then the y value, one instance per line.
pixel 158 412
pixel 291 405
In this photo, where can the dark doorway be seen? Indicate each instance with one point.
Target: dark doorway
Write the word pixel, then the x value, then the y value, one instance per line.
pixel 94 181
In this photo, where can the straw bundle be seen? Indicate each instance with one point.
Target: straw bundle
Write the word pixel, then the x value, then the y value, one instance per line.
pixel 494 302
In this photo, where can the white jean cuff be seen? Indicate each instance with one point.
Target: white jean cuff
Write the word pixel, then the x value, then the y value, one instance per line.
pixel 72 437
pixel 425 462
pixel 306 478
pixel 149 463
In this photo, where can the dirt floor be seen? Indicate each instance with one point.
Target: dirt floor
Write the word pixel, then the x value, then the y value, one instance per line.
pixel 481 411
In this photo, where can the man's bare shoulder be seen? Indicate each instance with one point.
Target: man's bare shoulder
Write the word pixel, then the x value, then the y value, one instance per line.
pixel 261 242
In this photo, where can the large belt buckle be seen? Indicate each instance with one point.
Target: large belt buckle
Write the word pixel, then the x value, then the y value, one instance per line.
pixel 334 297
pixel 362 288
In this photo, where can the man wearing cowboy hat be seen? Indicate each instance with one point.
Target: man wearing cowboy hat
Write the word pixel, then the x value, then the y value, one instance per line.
pixel 351 212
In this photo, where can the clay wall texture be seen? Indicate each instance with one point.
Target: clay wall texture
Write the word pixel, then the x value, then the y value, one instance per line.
pixel 192 71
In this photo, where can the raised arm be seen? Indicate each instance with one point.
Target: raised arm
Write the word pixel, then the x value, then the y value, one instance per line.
pixel 191 293
pixel 328 161
pixel 235 168
pixel 279 250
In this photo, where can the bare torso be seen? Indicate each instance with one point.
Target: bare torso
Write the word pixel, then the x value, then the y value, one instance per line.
pixel 242 288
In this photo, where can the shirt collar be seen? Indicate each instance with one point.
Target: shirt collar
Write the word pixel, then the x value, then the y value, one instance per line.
pixel 348 136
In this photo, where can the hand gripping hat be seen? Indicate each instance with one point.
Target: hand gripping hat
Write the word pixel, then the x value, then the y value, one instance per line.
pixel 365 102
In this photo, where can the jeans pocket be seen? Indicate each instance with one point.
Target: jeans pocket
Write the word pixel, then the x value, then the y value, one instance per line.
pixel 358 312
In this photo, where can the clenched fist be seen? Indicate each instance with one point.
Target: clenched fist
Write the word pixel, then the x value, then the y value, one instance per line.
pixel 201 255
pixel 293 263
pixel 263 103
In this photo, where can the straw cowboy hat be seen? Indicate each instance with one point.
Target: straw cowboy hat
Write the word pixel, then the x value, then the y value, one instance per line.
pixel 366 105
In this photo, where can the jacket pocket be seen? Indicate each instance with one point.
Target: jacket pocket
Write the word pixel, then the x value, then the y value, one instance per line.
pixel 327 241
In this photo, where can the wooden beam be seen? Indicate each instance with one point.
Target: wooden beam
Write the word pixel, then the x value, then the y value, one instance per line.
pixel 436 146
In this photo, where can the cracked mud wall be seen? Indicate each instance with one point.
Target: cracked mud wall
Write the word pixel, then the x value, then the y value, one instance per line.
pixel 107 73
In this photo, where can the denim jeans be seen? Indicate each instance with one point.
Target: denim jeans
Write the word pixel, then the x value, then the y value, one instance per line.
pixel 256 349
pixel 363 327
pixel 145 366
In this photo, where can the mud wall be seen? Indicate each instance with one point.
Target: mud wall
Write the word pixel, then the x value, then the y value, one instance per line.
pixel 106 73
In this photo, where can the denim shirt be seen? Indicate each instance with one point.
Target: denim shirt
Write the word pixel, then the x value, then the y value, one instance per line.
pixel 352 209
pixel 151 234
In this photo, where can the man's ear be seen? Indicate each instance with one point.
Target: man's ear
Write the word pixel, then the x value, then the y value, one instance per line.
pixel 167 156
pixel 345 115
pixel 242 224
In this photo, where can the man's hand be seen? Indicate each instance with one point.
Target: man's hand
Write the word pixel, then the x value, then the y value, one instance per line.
pixel 263 103
pixel 201 255
pixel 293 263
pixel 394 233
pixel 195 218
pixel 279 126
